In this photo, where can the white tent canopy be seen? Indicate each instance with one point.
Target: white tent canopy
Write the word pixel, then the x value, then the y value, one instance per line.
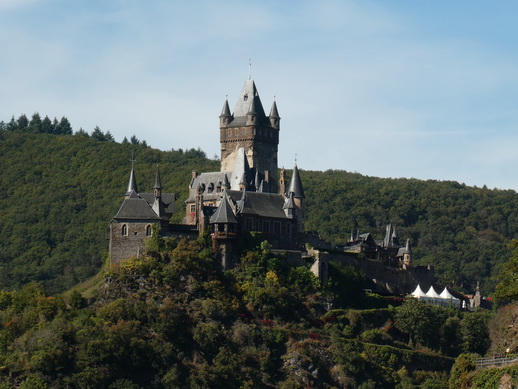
pixel 444 299
pixel 418 293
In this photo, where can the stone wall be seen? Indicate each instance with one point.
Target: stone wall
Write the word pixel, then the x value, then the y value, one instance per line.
pixel 384 279
pixel 132 244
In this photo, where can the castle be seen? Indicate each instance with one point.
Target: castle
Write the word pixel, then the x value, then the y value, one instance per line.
pixel 249 195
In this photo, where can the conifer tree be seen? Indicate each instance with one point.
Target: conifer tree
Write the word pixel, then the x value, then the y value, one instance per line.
pixel 35 124
pixel 23 123
pixel 64 127
pixel 46 125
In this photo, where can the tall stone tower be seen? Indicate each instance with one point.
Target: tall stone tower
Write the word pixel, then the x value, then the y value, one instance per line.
pixel 248 127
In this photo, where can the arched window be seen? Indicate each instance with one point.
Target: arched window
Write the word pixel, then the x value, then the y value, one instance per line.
pixel 149 230
pixel 124 230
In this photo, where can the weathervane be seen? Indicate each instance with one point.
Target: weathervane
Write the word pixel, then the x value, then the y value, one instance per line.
pixel 249 68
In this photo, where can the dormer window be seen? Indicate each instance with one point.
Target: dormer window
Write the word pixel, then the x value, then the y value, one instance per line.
pixel 245 97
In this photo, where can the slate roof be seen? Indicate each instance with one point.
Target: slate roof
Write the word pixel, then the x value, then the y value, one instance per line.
pixel 296 184
pixel 132 183
pixel 206 179
pixel 136 208
pixel 258 203
pixel 168 200
pixel 245 100
pixel 224 213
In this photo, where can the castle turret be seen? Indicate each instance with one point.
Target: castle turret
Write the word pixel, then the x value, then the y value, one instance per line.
pixel 407 255
pixel 226 117
pixel 132 184
pixel 298 197
pixel 274 117
pixel 157 188
pixel 249 128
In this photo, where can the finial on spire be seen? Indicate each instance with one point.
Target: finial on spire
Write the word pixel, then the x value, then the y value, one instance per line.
pixel 132 160
pixel 249 68
pixel 296 158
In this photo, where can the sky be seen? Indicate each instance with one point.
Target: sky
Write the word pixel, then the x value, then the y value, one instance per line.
pixel 415 89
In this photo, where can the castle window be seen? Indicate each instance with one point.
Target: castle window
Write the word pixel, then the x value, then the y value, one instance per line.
pixel 245 97
pixel 211 187
pixel 124 230
pixel 149 230
pixel 266 226
pixel 193 208
pixel 277 227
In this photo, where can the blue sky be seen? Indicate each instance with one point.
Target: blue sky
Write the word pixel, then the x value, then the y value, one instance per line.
pixel 422 89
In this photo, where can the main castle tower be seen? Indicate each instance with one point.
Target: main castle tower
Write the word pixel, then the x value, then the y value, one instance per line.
pixel 249 128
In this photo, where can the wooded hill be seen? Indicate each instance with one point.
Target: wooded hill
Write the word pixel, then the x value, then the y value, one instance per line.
pixel 59 193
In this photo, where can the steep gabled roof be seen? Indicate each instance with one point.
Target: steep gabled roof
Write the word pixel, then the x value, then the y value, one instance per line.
pixel 158 181
pixel 296 184
pixel 132 183
pixel 224 213
pixel 257 203
pixel 136 208
pixel 245 100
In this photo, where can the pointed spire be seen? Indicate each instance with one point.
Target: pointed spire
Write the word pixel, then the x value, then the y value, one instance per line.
pixel 158 181
pixel 158 184
pixel 248 94
pixel 296 184
pixel 225 112
pixel 226 117
pixel 273 112
pixel 408 249
pixel 241 171
pixel 274 116
pixel 224 213
pixel 132 184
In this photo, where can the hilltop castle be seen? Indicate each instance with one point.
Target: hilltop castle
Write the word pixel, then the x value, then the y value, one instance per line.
pixel 247 194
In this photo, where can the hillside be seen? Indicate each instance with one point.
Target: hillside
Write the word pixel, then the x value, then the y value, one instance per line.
pixel 60 192
pixel 174 320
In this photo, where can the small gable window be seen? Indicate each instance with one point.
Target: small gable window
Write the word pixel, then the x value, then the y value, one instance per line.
pixel 149 230
pixel 124 230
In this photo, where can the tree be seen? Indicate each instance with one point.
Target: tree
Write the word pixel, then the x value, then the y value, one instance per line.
pixel 134 140
pixel 35 123
pixel 46 126
pixel 12 125
pixel 97 134
pixel 22 123
pixel 64 127
pixel 82 132
pixel 507 289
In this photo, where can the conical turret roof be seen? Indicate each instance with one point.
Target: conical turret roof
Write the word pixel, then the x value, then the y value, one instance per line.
pixel 158 181
pixel 296 184
pixel 273 112
pixel 132 183
pixel 225 112
pixel 248 96
pixel 224 213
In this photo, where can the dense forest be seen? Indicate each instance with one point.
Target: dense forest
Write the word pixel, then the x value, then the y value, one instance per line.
pixel 60 190
pixel 173 320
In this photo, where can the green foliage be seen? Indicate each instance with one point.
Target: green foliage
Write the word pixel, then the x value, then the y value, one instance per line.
pixel 462 372
pixel 507 289
pixel 346 283
pixel 73 185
